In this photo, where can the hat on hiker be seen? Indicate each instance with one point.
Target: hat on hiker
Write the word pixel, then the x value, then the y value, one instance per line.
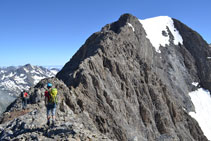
pixel 49 85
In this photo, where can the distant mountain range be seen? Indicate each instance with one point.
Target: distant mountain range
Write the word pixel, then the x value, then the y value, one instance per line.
pixel 15 79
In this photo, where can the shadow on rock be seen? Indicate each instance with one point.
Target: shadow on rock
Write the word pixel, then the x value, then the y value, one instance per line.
pixel 60 132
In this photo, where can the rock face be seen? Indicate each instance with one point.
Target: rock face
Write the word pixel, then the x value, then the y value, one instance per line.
pixel 118 87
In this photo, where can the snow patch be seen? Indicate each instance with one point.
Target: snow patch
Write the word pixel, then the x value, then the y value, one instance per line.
pixel 54 72
pixel 40 71
pixel 195 84
pixel 33 71
pixel 25 70
pixel 130 25
pixel 10 75
pixel 157 33
pixel 184 109
pixel 3 77
pixel 10 85
pixel 37 79
pixel 21 75
pixel 202 102
pixel 19 80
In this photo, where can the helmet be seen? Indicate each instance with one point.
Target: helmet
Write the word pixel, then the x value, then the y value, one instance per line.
pixel 49 85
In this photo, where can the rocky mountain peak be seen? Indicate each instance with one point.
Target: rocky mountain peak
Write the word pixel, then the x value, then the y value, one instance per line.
pixel 120 87
pixel 28 66
pixel 120 70
pixel 123 20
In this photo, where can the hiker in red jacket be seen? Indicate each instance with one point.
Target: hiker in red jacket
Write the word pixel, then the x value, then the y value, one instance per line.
pixel 25 97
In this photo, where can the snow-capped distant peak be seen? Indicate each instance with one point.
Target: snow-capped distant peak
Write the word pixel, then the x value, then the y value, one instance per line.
pixel 14 80
pixel 195 84
pixel 26 70
pixel 157 31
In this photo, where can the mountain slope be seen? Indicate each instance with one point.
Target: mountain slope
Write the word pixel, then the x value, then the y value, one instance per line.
pixel 123 85
pixel 5 100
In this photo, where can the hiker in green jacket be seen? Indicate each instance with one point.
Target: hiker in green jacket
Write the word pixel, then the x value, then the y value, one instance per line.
pixel 51 103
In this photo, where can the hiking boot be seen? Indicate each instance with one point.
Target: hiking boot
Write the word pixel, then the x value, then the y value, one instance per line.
pixel 48 123
pixel 53 123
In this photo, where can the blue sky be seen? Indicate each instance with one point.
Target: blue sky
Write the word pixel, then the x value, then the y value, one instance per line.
pixel 49 32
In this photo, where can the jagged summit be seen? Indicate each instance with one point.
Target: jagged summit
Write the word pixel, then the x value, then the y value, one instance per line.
pixel 28 66
pixel 119 87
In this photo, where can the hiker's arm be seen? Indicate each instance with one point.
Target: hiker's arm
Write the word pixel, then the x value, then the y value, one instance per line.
pixel 45 100
pixel 46 96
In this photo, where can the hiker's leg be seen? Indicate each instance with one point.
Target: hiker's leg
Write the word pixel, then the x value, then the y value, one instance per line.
pixel 48 115
pixel 22 104
pixel 53 115
pixel 25 103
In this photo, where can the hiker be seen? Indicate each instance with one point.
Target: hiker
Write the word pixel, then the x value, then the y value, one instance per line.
pixel 25 97
pixel 37 96
pixel 51 103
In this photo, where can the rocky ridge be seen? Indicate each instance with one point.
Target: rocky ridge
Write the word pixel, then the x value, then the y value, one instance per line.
pixel 118 87
pixel 30 124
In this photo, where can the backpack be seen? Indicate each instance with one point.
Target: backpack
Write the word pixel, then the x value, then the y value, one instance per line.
pixel 24 95
pixel 53 96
